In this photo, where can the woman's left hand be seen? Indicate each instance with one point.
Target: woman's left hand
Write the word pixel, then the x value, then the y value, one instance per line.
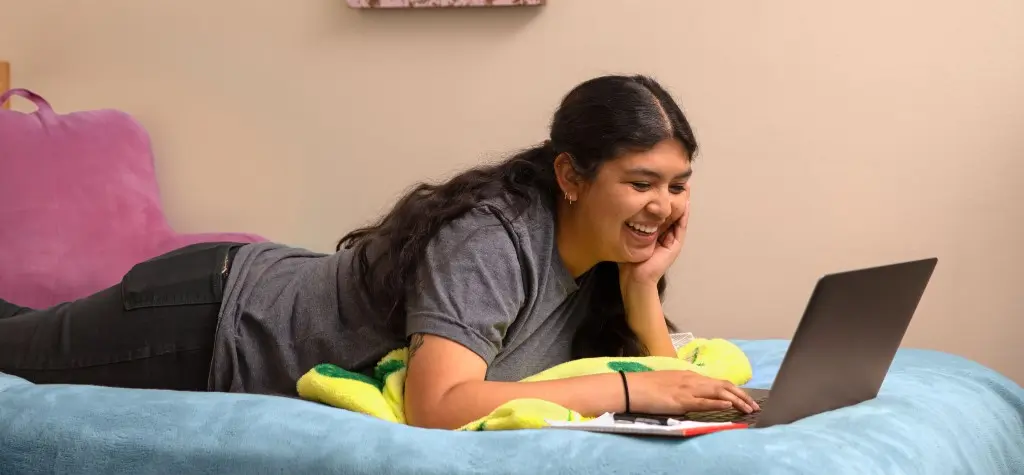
pixel 666 249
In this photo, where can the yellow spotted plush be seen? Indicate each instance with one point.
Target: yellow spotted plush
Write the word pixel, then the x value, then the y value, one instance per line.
pixel 382 395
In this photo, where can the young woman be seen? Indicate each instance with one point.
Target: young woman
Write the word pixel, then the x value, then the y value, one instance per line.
pixel 557 253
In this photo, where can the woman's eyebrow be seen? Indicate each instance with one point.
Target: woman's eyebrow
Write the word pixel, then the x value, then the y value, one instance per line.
pixel 647 172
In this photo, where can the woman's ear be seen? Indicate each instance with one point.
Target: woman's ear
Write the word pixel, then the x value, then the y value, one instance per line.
pixel 568 180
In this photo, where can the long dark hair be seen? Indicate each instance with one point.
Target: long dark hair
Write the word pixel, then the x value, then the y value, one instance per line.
pixel 598 120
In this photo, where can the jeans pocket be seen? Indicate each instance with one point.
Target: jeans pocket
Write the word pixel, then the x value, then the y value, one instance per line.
pixel 192 275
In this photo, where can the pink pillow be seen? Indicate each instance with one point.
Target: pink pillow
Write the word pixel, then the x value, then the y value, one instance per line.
pixel 79 203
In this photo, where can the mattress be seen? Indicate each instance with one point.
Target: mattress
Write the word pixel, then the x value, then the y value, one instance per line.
pixel 937 413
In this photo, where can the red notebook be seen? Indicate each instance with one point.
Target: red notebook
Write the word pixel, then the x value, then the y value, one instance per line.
pixel 607 423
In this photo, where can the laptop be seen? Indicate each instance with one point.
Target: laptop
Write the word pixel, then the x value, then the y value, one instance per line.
pixel 843 346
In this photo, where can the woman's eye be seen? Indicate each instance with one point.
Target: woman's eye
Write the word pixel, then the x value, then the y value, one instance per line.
pixel 641 186
pixel 677 189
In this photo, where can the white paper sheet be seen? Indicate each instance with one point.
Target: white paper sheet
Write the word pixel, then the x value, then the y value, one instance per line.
pixel 607 423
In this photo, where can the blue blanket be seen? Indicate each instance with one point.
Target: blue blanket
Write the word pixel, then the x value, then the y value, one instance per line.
pixel 936 414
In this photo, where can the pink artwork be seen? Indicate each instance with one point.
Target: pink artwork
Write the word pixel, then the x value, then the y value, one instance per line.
pixel 441 3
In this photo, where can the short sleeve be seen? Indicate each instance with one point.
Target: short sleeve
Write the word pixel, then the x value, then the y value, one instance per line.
pixel 469 286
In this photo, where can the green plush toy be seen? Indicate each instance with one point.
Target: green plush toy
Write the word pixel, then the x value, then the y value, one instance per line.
pixel 382 396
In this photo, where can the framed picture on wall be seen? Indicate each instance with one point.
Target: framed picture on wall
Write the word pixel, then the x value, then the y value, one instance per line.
pixel 441 3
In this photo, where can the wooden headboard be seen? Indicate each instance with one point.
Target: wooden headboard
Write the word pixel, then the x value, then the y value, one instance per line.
pixel 5 81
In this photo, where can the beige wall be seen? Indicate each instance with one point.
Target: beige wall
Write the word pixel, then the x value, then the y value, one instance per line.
pixel 835 134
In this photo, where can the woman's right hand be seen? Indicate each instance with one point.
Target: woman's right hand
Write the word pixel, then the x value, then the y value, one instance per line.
pixel 677 392
pixel 446 387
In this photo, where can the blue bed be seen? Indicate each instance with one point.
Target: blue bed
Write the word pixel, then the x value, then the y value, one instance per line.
pixel 936 414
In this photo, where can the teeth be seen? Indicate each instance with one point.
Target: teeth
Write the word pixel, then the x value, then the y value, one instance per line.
pixel 642 228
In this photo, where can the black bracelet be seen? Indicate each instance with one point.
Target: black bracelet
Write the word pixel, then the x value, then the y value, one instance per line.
pixel 625 388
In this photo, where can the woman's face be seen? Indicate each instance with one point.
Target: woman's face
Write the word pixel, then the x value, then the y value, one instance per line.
pixel 633 200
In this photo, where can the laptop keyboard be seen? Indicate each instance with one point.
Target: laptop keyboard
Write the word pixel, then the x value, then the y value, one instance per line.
pixel 728 415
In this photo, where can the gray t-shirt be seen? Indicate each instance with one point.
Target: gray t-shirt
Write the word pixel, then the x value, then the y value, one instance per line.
pixel 492 281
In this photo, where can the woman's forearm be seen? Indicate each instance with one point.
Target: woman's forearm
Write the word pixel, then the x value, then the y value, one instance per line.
pixel 465 402
pixel 646 318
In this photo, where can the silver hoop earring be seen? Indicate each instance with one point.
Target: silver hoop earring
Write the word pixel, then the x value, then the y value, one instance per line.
pixel 568 198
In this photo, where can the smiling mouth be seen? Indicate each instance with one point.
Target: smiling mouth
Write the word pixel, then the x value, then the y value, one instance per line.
pixel 642 230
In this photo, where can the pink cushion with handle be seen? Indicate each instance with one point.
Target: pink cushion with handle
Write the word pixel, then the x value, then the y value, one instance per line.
pixel 79 203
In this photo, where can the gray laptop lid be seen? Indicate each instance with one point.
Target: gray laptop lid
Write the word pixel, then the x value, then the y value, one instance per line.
pixel 846 340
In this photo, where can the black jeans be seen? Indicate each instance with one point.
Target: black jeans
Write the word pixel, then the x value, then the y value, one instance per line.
pixel 155 329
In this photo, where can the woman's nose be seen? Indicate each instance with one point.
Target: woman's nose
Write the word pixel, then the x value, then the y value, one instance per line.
pixel 660 206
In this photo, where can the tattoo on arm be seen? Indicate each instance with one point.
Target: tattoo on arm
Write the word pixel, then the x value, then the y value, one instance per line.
pixel 414 344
